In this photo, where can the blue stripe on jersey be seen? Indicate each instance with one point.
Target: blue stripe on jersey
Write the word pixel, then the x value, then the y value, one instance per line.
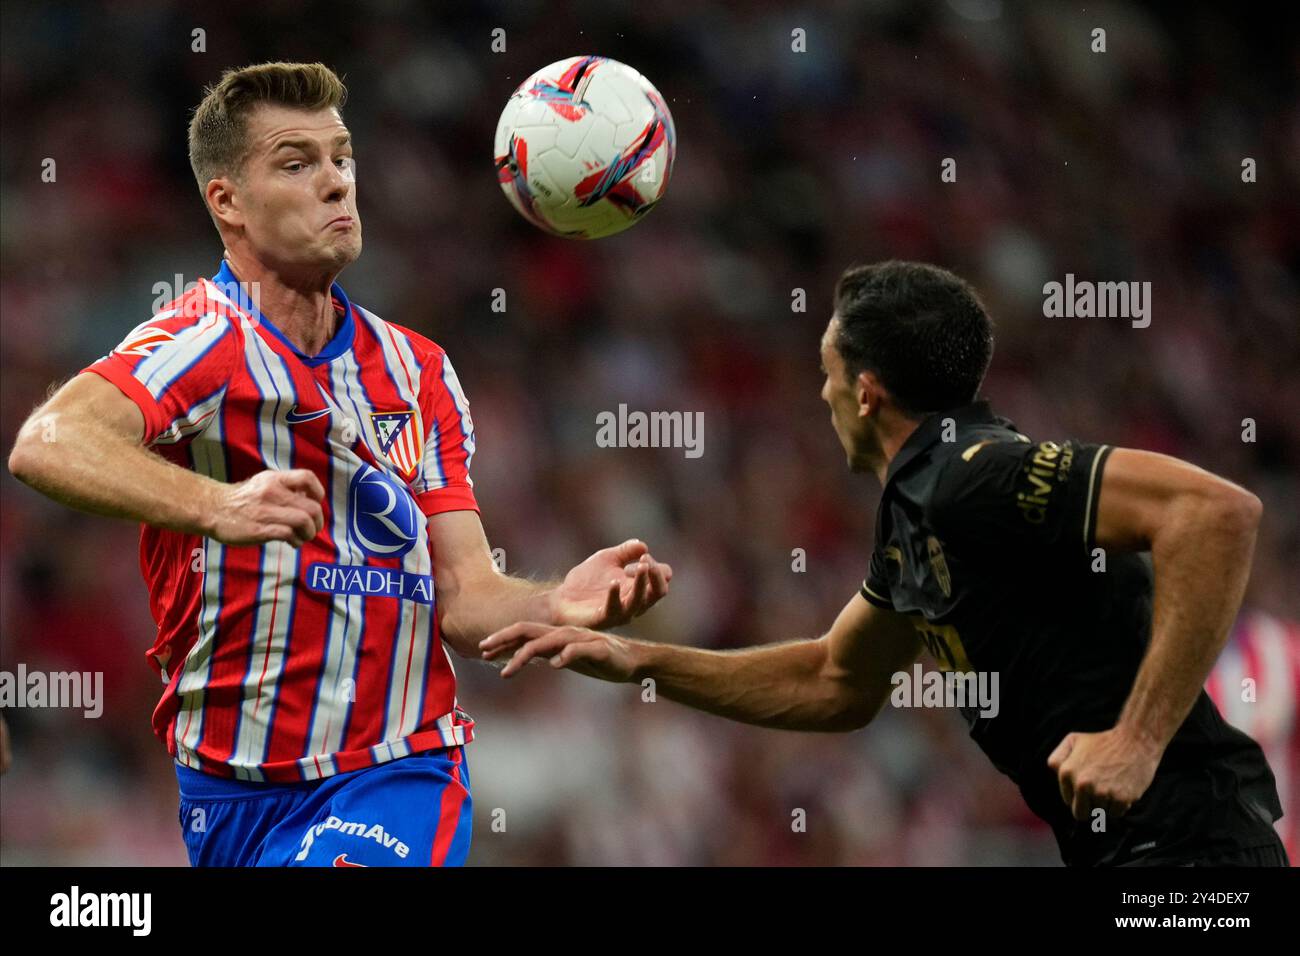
pixel 279 401
pixel 452 381
pixel 293 591
pixel 401 624
pixel 256 611
pixel 157 394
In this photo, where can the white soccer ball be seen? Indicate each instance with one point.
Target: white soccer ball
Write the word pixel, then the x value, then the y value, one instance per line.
pixel 584 147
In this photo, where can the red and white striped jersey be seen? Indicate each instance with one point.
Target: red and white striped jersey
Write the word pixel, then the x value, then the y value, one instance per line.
pixel 286 664
pixel 1256 686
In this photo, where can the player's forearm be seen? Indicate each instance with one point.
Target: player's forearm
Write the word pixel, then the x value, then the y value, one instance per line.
pixel 1201 557
pixel 79 463
pixel 472 611
pixel 790 686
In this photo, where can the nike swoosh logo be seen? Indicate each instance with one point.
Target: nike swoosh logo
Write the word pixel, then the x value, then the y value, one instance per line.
pixel 342 860
pixel 294 418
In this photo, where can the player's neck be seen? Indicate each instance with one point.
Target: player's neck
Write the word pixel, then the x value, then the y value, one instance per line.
pixel 299 305
pixel 891 442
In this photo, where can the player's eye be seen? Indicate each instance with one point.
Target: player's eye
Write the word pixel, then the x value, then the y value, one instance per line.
pixel 296 163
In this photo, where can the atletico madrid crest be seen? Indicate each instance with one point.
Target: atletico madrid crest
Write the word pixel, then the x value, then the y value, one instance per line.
pixel 401 440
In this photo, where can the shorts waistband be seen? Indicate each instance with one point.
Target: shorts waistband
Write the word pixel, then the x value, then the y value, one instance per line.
pixel 196 785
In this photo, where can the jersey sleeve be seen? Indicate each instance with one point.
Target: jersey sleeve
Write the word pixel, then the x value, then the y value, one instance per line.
pixel 875 587
pixel 1041 496
pixel 443 482
pixel 175 367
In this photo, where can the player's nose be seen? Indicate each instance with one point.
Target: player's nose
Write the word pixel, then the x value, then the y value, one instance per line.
pixel 336 184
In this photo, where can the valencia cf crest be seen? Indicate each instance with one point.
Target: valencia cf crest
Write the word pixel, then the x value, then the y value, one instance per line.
pixel 401 440
pixel 939 564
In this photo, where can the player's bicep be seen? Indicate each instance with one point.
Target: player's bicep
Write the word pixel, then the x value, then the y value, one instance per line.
pixel 89 400
pixel 1142 491
pixel 175 368
pixel 462 567
pixel 460 551
pixel 866 646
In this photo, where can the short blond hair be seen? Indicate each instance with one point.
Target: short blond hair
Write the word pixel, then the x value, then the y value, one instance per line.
pixel 218 135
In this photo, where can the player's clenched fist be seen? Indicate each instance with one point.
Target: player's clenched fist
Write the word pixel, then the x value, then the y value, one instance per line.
pixel 270 506
pixel 593 653
pixel 1109 770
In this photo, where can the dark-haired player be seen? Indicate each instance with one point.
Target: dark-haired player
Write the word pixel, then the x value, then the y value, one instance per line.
pixel 985 555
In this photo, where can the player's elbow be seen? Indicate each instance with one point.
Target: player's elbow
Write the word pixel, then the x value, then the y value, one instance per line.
pixel 1235 509
pixel 31 449
pixel 850 708
pixel 1251 509
pixel 843 703
pixel 845 716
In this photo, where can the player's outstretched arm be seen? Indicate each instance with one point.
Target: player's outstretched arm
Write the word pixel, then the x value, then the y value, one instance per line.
pixel 1200 530
pixel 474 598
pixel 838 682
pixel 83 449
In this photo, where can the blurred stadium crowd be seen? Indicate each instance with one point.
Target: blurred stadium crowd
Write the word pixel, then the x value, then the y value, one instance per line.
pixel 1117 166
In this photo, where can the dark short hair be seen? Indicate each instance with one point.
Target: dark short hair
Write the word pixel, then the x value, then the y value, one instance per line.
pixel 922 330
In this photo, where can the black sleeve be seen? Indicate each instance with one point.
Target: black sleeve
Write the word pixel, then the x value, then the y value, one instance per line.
pixel 876 586
pixel 1038 494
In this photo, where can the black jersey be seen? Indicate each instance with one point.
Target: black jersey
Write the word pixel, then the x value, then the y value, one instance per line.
pixel 987 539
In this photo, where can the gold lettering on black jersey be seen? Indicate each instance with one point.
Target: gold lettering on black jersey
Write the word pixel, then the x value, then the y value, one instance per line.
pixel 939 564
pixel 1050 461
pixel 944 644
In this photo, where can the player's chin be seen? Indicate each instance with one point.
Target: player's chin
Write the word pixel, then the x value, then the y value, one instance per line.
pixel 345 248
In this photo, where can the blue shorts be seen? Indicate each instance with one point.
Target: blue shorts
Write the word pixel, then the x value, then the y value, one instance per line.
pixel 413 811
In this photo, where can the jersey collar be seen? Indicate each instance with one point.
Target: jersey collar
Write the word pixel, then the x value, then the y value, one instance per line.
pixel 931 430
pixel 228 283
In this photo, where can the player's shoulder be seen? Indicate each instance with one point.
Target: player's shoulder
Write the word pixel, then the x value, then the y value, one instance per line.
pixel 200 318
pixel 985 473
pixel 980 461
pixel 425 350
pixel 978 449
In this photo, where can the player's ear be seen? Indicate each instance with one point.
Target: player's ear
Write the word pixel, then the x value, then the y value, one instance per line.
pixel 220 197
pixel 869 391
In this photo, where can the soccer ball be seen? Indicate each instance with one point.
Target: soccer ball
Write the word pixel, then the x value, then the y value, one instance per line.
pixel 584 147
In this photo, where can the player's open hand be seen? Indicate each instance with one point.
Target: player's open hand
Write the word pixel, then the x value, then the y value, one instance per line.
pixel 611 587
pixel 593 653
pixel 271 506
pixel 1109 770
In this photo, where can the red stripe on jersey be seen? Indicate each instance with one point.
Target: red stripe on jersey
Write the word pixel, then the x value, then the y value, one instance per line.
pixel 312 611
pixel 201 368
